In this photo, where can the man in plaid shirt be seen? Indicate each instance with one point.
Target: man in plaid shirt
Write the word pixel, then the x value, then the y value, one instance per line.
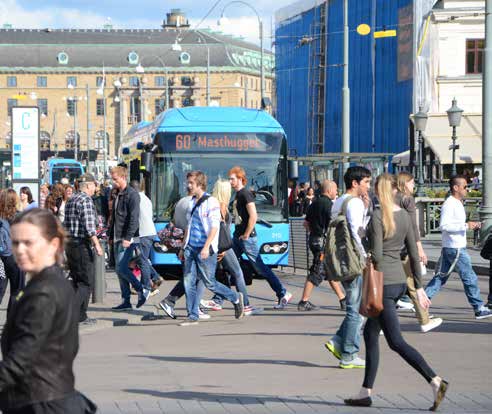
pixel 80 224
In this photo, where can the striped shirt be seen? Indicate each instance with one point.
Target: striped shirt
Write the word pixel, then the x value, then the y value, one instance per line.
pixel 80 216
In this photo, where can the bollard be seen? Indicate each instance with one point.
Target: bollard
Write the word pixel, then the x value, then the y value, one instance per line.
pixel 99 288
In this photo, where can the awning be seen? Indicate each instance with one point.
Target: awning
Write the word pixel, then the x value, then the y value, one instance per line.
pixel 402 159
pixel 438 134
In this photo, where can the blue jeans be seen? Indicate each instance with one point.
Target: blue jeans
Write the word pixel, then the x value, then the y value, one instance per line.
pixel 125 275
pixel 232 267
pixel 148 272
pixel 198 270
pixel 348 334
pixel 250 249
pixel 457 260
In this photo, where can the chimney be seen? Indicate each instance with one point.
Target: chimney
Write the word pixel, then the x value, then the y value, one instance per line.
pixel 176 20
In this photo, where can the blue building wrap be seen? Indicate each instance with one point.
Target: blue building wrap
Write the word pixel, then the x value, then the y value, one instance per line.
pixel 380 100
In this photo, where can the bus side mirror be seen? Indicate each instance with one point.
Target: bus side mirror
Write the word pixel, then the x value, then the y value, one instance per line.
pixel 146 162
pixel 293 167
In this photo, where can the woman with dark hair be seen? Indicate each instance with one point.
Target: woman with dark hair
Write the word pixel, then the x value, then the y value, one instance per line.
pixel 404 198
pixel 8 211
pixel 26 200
pixel 390 228
pixel 40 339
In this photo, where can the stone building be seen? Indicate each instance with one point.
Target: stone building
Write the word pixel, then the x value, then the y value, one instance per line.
pixel 92 84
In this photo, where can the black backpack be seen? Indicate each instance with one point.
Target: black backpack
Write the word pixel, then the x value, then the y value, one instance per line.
pixel 486 251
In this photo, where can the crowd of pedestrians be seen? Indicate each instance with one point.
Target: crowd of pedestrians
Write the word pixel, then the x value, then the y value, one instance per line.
pixel 117 222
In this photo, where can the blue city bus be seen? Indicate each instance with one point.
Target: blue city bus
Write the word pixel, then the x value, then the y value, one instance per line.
pixel 212 140
pixel 58 168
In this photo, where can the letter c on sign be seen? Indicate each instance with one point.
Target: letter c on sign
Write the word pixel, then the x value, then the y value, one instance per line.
pixel 26 124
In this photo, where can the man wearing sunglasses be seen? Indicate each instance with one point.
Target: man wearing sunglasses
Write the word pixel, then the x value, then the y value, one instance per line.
pixel 454 256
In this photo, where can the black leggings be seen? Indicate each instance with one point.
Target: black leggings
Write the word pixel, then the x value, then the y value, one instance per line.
pixel 16 278
pixel 389 323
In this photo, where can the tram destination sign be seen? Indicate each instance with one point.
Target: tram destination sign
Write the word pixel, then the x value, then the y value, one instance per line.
pixel 220 142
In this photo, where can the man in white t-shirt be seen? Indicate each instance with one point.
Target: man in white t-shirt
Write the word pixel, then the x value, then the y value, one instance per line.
pixel 345 344
pixel 454 256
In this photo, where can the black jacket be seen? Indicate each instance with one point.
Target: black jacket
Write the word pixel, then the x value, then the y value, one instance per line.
pixel 126 215
pixel 40 341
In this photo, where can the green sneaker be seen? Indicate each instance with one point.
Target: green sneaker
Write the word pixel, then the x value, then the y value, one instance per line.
pixel 352 363
pixel 334 349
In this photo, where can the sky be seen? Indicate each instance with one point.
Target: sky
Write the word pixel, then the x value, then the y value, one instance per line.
pixel 141 14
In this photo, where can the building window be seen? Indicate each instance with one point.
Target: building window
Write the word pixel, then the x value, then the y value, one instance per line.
pixel 72 80
pixel 135 114
pixel 71 107
pixel 70 140
pixel 160 81
pixel 12 81
pixel 100 107
pixel 10 104
pixel 99 144
pixel 45 139
pixel 43 106
pixel 42 82
pixel 474 55
pixel 159 106
pixel 134 81
pixel 186 80
pixel 99 81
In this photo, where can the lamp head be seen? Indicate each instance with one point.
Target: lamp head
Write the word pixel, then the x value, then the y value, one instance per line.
pixel 223 21
pixel 420 120
pixel 139 68
pixel 454 114
pixel 176 46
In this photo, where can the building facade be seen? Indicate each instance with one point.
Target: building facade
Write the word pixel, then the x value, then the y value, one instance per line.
pixel 93 85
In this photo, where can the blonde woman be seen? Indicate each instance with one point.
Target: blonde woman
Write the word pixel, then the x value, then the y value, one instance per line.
pixel 390 228
pixel 404 198
pixel 228 259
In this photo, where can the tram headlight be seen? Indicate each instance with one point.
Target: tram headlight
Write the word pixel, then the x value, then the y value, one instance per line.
pixel 274 248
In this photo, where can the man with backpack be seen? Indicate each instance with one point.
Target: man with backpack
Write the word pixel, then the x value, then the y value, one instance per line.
pixel 349 222
pixel 316 223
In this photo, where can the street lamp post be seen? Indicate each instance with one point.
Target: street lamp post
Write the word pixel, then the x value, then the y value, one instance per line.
pixel 73 98
pixel 260 26
pixel 420 121
pixel 454 117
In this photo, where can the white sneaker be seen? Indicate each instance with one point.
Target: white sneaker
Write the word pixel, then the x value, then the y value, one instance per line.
pixel 408 306
pixel 429 326
pixel 203 316
pixel 282 303
pixel 210 305
pixel 251 310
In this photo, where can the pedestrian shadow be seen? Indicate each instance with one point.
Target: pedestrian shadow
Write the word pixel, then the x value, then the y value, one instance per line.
pixel 457 326
pixel 231 361
pixel 235 399
pixel 317 334
pixel 262 402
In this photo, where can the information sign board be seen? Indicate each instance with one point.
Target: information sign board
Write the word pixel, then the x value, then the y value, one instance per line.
pixel 25 143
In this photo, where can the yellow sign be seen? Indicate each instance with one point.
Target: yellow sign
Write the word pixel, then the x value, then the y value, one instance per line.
pixel 385 33
pixel 20 97
pixel 363 29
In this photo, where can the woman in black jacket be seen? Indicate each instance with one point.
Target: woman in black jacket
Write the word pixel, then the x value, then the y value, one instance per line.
pixel 40 338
